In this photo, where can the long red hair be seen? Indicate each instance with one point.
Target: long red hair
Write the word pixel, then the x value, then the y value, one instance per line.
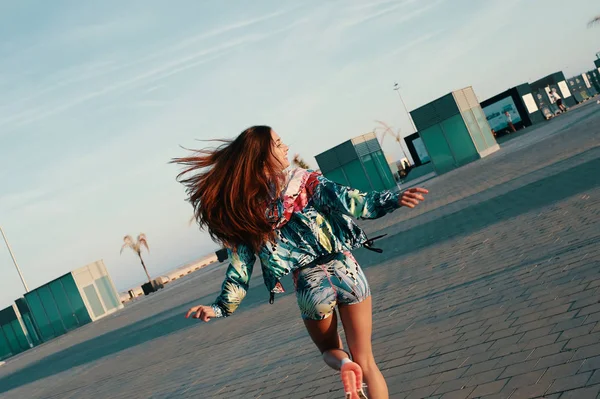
pixel 231 186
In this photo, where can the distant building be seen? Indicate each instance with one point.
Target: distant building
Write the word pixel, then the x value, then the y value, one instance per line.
pixel 359 163
pixel 173 275
pixel 454 130
pixel 417 149
pixel 55 308
pixel 581 87
pixel 541 89
pixel 519 102
pixel 594 79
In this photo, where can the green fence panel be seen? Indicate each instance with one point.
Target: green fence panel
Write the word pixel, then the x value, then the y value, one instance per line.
pixel 51 310
pixel 5 350
pixel 72 292
pixel 384 170
pixel 459 139
pixel 338 176
pixel 438 149
pixel 39 315
pixel 64 306
pixel 373 173
pixel 356 176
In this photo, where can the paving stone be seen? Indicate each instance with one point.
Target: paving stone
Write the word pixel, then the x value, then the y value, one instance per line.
pixel 589 309
pixel 576 332
pixel 540 332
pixel 587 351
pixel 481 367
pixel 571 382
pixel 511 349
pixel 590 300
pixel 531 391
pixel 568 325
pixel 553 360
pixel 488 389
pixel 458 394
pixel 514 358
pixel 422 392
pixel 595 378
pixel 520 368
pixel 499 395
pixel 450 375
pixel 548 350
pixel 452 385
pixel 582 393
pixel 541 341
pixel 591 363
pixel 453 364
pixel 523 380
pixel 563 370
pixel 584 340
pixel 485 377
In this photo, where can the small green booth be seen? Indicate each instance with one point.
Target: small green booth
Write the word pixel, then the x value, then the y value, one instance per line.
pixel 358 163
pixel 72 300
pixel 454 130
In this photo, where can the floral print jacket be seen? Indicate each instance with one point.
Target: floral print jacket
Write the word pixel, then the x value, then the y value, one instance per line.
pixel 311 218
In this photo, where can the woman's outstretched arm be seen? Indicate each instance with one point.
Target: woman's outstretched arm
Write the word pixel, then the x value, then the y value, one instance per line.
pixel 233 289
pixel 361 205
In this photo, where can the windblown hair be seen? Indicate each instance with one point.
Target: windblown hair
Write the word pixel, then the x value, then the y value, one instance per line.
pixel 231 186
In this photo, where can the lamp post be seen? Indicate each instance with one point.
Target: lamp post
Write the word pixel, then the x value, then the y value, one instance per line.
pixel 14 260
pixel 397 89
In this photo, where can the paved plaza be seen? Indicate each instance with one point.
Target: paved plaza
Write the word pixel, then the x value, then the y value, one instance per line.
pixel 490 289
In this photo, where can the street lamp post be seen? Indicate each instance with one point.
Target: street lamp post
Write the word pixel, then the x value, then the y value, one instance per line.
pixel 397 89
pixel 14 260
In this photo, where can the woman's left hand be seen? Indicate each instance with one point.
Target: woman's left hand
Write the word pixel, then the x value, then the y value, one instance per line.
pixel 412 197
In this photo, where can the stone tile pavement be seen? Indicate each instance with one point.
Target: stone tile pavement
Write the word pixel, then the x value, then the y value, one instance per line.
pixel 490 290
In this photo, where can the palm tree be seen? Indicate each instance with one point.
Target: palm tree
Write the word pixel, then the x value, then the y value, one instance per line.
pixel 136 246
pixel 299 162
pixel 594 21
pixel 387 130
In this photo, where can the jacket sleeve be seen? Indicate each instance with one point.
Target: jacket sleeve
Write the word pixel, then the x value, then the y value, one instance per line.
pixel 237 280
pixel 352 202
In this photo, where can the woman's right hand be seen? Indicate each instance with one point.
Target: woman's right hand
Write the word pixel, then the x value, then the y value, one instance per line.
pixel 412 197
pixel 204 313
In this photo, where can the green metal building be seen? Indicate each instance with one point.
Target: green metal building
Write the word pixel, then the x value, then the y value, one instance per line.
pixel 72 300
pixel 520 104
pixel 17 332
pixel 454 130
pixel 594 79
pixel 581 88
pixel 358 163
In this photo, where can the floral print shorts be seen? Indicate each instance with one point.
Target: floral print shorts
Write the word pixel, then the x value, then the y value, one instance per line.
pixel 334 280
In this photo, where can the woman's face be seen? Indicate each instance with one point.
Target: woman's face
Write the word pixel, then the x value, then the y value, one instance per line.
pixel 280 150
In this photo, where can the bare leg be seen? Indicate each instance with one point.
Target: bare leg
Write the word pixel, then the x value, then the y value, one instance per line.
pixel 325 335
pixel 358 326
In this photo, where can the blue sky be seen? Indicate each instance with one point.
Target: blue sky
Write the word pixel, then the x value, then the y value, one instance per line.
pixel 96 97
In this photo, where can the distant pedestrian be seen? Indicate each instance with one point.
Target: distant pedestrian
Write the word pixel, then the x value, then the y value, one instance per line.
pixel 554 96
pixel 509 122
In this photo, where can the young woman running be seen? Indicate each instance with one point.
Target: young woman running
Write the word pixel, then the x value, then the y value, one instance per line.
pixel 295 222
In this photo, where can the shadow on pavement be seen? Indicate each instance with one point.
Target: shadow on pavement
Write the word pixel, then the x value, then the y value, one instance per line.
pixel 146 330
pixel 524 199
